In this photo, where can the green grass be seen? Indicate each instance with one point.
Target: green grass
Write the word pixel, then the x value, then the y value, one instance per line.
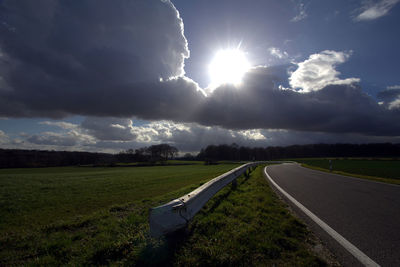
pixel 37 197
pixel 245 226
pixel 248 226
pixel 383 170
pixel 117 235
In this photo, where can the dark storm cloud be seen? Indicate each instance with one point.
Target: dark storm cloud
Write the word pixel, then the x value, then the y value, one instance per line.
pixel 259 103
pixel 174 99
pixel 62 57
pixel 116 58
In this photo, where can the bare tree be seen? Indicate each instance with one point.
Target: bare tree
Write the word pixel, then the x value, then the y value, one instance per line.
pixel 162 151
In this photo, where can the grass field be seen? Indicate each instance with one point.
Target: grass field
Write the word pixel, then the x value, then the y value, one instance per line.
pixel 384 170
pixel 99 216
pixel 36 197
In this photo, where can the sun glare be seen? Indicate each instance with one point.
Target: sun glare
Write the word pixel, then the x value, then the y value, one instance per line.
pixel 228 66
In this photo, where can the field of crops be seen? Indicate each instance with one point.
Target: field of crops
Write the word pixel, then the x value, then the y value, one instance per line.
pixel 380 168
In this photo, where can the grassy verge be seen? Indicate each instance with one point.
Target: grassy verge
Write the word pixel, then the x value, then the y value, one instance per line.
pixel 387 171
pixel 245 226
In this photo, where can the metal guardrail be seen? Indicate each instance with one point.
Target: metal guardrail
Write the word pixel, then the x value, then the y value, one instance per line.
pixel 176 214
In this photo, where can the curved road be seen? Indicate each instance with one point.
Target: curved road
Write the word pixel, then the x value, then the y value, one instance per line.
pixel 364 212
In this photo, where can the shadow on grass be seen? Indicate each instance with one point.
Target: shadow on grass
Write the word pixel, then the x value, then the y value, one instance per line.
pixel 163 253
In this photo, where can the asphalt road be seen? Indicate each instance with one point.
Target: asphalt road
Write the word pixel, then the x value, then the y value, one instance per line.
pixel 366 213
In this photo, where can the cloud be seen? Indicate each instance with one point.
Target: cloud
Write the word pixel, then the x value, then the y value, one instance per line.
pixel 301 12
pixel 60 124
pixel 390 97
pixel 54 139
pixel 98 134
pixel 371 10
pixel 111 61
pixel 71 135
pixel 278 53
pixel 259 103
pixel 285 138
pixel 192 136
pixel 254 134
pixel 107 129
pixel 393 87
pixel 76 56
pixel 389 94
pixel 156 100
pixel 395 104
pixel 319 71
pixel 188 137
pixel 4 139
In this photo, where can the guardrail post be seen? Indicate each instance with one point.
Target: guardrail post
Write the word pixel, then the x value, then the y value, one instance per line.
pixel 234 184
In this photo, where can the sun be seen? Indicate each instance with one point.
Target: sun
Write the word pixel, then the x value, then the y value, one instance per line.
pixel 228 67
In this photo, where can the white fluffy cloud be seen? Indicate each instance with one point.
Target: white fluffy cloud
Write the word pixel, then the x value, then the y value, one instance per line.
pixel 373 9
pixel 318 71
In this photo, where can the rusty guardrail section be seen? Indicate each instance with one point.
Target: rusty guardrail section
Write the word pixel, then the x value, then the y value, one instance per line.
pixel 176 214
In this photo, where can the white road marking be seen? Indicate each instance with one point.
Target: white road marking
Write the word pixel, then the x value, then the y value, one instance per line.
pixel 358 254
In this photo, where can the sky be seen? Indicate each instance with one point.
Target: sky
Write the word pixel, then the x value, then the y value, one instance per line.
pixel 99 75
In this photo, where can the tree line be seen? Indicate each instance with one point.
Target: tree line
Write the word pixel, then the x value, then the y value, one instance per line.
pixel 15 158
pixel 235 152
pixel 161 152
